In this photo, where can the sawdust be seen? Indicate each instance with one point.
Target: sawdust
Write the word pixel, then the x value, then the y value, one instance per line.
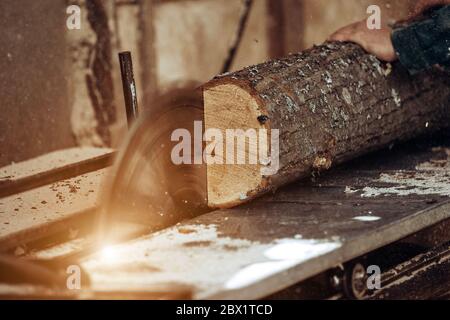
pixel 49 204
pixel 367 218
pixel 228 262
pixel 429 178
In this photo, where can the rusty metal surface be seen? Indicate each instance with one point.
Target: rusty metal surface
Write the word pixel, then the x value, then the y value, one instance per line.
pixel 426 276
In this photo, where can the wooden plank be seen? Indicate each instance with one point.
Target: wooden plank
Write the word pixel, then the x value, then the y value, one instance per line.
pixel 52 167
pixel 47 210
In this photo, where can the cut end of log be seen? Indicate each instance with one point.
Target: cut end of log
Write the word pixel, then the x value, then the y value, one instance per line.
pixel 232 180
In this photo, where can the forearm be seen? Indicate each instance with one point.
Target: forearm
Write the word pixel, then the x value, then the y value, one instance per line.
pixel 425 43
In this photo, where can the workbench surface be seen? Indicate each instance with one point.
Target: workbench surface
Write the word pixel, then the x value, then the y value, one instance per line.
pixel 277 241
pixel 302 230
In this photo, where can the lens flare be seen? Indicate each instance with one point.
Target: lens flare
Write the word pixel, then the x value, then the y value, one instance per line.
pixel 109 254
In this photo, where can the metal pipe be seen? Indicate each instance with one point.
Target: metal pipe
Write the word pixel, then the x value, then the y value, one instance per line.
pixel 129 87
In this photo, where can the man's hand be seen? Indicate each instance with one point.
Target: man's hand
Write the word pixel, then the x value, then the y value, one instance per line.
pixel 377 42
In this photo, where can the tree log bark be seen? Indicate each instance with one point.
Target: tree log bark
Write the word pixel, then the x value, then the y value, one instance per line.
pixel 330 104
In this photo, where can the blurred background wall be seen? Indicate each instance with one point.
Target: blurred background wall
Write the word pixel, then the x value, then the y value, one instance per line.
pixel 61 88
pixel 34 106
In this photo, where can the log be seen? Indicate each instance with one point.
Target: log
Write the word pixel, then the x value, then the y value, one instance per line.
pixel 330 104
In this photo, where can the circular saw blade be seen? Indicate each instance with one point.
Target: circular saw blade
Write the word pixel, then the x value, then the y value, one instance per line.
pixel 145 187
